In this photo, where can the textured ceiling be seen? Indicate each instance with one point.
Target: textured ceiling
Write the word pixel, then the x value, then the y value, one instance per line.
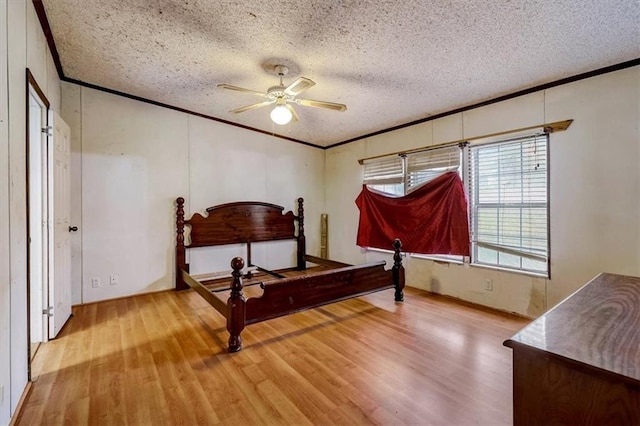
pixel 391 62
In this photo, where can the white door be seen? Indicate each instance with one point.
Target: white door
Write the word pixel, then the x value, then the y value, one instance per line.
pixel 38 216
pixel 59 211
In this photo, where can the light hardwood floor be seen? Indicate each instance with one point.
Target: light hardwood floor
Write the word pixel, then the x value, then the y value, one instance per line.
pixel 160 359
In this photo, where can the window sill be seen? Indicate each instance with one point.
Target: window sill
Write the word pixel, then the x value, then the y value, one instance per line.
pixel 390 252
pixel 418 256
pixel 513 271
pixel 458 262
pixel 437 259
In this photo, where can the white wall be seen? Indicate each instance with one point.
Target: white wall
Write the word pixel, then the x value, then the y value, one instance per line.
pixel 594 190
pixel 5 293
pixel 17 58
pixel 133 159
pixel 25 46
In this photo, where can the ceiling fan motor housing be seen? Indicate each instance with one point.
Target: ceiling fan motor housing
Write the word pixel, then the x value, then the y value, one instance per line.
pixel 276 92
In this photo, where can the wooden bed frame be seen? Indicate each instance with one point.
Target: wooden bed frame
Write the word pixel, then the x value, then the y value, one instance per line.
pixel 283 291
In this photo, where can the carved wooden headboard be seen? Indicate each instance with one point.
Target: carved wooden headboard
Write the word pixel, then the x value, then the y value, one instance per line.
pixel 241 222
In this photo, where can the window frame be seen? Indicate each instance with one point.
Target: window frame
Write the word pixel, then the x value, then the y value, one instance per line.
pixel 473 215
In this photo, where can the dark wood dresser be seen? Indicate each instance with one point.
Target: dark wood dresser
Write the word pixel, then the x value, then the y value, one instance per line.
pixel 579 363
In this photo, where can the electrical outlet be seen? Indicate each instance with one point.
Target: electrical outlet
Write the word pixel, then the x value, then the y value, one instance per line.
pixel 488 284
pixel 113 279
pixel 95 282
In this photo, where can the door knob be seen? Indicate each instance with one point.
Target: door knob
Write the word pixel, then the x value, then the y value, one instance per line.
pixel 73 228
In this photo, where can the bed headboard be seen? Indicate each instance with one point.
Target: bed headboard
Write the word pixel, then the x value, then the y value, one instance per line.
pixel 242 222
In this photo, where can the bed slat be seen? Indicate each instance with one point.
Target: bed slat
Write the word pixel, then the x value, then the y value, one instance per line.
pixel 325 262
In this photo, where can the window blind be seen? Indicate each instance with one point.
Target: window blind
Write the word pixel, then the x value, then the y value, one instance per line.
pixel 508 192
pixel 384 171
pixel 423 167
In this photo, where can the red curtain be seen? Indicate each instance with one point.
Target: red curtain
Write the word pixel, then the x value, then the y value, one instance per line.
pixel 430 220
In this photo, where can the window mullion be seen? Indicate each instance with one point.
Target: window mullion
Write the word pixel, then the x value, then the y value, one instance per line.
pixel 500 209
pixel 405 176
pixel 521 196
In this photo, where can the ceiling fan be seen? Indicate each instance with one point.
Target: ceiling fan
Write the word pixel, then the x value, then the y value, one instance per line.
pixel 282 96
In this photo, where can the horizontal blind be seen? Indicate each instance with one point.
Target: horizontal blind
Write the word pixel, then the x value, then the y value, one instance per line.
pixel 425 166
pixel 508 188
pixel 382 171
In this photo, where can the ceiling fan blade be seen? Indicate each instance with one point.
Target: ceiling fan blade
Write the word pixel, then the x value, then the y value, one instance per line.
pixel 250 107
pixel 242 89
pixel 299 86
pixel 293 112
pixel 321 104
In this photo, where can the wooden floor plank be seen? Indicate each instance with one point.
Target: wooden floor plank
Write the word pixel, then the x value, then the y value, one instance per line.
pixel 161 359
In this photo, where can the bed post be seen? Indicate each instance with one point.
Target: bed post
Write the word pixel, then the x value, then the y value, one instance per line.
pixel 398 271
pixel 302 241
pixel 180 250
pixel 236 308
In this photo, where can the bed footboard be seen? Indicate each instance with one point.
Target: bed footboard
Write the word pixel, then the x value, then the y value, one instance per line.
pixel 293 294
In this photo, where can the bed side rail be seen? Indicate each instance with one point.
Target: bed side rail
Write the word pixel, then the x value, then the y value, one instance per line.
pixel 213 300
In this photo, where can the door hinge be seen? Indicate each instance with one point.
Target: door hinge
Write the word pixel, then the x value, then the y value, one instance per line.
pixel 47 131
pixel 48 312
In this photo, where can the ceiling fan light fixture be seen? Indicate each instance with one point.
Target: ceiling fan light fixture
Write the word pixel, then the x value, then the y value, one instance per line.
pixel 281 115
pixel 282 95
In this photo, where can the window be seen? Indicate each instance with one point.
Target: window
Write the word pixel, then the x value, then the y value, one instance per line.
pixel 401 174
pixel 398 175
pixel 509 204
pixel 424 166
pixel 508 200
pixel 385 175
